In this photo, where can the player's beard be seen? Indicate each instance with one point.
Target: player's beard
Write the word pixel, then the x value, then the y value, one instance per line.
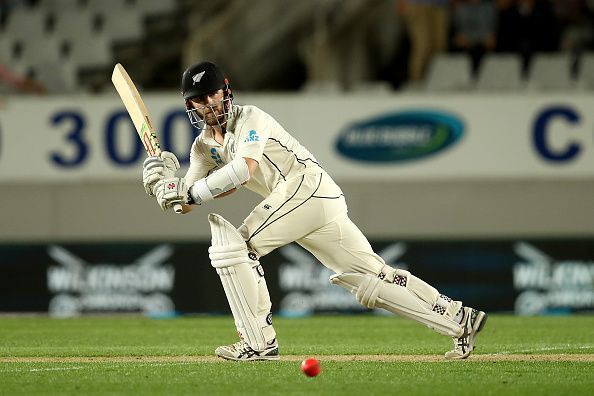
pixel 214 116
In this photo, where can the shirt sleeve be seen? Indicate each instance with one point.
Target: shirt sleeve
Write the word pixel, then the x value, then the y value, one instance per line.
pixel 253 134
pixel 199 166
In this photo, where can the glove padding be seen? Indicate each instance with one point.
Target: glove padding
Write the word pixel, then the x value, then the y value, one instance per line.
pixel 157 168
pixel 171 191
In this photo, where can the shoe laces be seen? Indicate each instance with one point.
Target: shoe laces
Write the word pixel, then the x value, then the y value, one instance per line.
pixel 241 346
pixel 462 342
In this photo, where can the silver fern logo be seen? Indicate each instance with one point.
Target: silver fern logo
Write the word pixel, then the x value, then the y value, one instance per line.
pixel 197 77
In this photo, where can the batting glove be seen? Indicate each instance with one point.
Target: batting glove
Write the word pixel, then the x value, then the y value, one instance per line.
pixel 171 191
pixel 157 168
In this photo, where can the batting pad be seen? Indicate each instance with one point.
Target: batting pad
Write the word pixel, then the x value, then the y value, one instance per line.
pixel 229 256
pixel 374 292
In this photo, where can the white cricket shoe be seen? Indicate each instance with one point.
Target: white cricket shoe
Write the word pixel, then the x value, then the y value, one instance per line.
pixel 473 321
pixel 241 351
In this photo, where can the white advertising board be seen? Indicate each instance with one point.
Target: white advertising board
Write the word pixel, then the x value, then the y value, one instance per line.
pixel 86 138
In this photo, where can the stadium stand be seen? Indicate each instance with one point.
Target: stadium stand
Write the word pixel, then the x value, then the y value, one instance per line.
pixel 26 24
pixel 551 71
pixel 585 74
pixel 449 72
pixel 335 45
pixel 501 72
pixel 60 5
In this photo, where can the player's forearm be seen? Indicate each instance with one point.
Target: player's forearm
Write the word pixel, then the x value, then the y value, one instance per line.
pixel 224 181
pixel 226 193
pixel 187 208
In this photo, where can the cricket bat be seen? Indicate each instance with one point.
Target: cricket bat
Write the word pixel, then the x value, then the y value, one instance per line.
pixel 139 114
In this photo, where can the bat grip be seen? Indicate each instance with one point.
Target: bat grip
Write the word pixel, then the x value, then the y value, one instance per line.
pixel 177 208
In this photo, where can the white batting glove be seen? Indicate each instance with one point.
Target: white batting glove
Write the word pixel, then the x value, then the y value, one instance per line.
pixel 157 168
pixel 171 191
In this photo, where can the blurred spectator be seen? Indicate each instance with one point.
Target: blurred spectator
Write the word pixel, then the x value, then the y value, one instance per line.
pixel 575 22
pixel 474 28
pixel 538 29
pixel 427 23
pixel 6 6
pixel 508 26
pixel 20 83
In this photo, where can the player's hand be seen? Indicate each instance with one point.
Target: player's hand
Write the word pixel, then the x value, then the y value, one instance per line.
pixel 157 168
pixel 171 191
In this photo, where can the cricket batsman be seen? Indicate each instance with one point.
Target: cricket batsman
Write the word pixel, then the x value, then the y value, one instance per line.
pixel 241 145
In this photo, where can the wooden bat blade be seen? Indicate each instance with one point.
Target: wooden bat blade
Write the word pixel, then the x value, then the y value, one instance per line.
pixel 137 110
pixel 138 113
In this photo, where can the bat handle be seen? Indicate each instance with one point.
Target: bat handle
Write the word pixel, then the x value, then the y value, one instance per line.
pixel 177 208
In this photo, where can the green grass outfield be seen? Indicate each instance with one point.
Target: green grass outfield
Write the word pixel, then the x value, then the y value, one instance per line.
pixel 360 355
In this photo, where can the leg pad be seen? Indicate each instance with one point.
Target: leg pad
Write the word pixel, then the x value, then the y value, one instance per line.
pixel 372 292
pixel 230 257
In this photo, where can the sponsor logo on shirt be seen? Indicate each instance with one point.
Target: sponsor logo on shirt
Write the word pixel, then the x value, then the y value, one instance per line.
pixel 252 137
pixel 402 136
pixel 215 156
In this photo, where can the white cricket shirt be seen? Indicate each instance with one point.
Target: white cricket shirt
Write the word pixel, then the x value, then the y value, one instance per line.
pixel 255 134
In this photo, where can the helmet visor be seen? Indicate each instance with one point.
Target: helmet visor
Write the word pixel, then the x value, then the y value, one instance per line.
pixel 215 113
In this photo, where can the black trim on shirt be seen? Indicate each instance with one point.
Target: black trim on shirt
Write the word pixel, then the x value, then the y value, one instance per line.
pixel 315 196
pixel 266 224
pixel 301 161
pixel 273 164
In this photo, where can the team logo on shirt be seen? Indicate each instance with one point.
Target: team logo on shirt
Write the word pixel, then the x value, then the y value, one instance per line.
pixel 252 137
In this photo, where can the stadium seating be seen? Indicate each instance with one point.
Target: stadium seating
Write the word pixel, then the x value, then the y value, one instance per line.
pixel 109 6
pixel 500 72
pixel 35 51
pixel 159 6
pixel 57 77
pixel 6 49
pixel 94 34
pixel 60 5
pixel 124 25
pixel 89 54
pixel 72 25
pixel 26 24
pixel 585 75
pixel 551 71
pixel 449 72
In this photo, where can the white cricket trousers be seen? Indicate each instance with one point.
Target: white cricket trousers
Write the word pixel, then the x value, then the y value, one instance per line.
pixel 310 209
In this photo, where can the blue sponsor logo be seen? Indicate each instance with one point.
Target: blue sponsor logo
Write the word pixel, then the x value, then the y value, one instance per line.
pixel 215 156
pixel 402 136
pixel 252 137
